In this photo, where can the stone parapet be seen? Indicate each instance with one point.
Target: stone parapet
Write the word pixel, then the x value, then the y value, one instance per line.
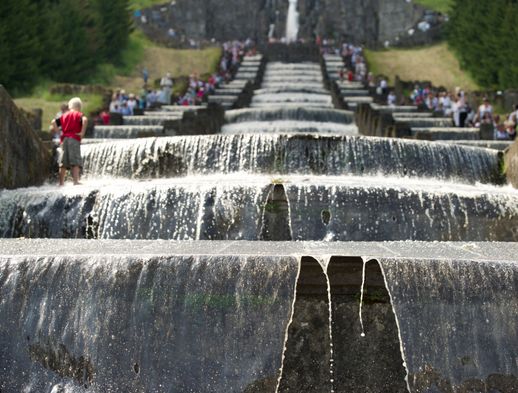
pixel 24 160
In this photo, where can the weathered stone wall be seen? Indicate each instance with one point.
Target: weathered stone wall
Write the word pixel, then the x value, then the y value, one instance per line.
pixel 364 21
pixel 511 165
pixel 24 161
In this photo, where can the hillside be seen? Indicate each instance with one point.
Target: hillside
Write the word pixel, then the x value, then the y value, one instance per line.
pixel 141 53
pixel 436 63
pixel 443 6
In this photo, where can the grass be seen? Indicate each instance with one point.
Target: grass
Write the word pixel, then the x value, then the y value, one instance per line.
pixel 436 63
pixel 141 53
pixel 140 4
pixel 179 62
pixel 50 104
pixel 443 6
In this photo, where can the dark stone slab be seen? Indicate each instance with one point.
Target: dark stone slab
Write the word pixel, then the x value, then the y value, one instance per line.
pixel 511 164
pixel 24 160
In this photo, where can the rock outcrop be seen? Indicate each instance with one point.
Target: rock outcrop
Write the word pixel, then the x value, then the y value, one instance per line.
pixel 24 160
pixel 372 22
pixel 511 165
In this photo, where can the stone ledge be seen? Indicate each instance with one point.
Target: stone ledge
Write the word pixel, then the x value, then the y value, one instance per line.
pixel 473 251
pixel 24 160
pixel 511 164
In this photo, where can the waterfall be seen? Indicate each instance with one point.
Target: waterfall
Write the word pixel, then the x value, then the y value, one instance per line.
pixel 292 25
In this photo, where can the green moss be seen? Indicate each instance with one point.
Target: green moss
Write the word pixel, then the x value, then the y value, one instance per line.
pixel 373 296
pixel 502 165
pixel 273 207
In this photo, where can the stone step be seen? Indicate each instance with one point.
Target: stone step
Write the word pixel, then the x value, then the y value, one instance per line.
pixel 227 92
pixel 424 122
pixel 181 108
pixel 223 99
pixel 314 154
pixel 127 132
pixel 367 208
pixel 358 100
pixel 444 133
pixel 350 85
pixel 394 108
pixel 245 76
pixel 411 115
pixel 354 93
pixel 150 297
pixel 148 120
pixel 494 145
pixel 170 114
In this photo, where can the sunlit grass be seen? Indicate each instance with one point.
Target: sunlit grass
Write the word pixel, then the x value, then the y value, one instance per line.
pixel 443 6
pixel 140 4
pixel 50 104
pixel 436 63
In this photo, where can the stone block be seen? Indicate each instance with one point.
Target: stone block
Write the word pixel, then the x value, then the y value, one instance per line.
pixel 511 165
pixel 24 160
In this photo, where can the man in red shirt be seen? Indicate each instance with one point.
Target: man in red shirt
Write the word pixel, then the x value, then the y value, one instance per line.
pixel 73 125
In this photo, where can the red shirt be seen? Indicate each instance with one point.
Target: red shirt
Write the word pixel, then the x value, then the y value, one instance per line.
pixel 72 125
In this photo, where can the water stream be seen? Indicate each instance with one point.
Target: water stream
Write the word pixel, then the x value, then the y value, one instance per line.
pixel 292 24
pixel 132 316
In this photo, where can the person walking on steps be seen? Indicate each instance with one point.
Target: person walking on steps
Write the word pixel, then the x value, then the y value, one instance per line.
pixel 73 125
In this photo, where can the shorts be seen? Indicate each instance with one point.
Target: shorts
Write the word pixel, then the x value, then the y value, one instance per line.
pixel 71 154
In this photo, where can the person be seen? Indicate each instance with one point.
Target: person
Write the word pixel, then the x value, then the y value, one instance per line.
pixel 166 84
pixel 132 103
pixel 391 99
pixel 485 112
pixel 513 117
pixel 57 133
pixel 500 129
pixel 145 76
pixel 383 86
pixel 511 130
pixel 126 110
pixel 105 117
pixel 73 124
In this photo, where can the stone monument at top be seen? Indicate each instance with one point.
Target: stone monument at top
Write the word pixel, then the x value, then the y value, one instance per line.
pixel 292 25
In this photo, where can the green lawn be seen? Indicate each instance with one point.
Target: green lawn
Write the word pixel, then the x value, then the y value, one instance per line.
pixel 140 53
pixel 140 4
pixel 443 6
pixel 50 104
pixel 435 63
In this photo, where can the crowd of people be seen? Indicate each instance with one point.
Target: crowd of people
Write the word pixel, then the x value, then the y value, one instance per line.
pixel 233 53
pixel 197 89
pixel 456 105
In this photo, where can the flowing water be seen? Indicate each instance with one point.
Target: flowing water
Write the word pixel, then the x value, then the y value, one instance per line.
pixel 154 315
pixel 292 24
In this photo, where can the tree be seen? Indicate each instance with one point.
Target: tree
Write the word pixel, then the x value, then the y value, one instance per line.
pixel 114 25
pixel 20 45
pixel 483 34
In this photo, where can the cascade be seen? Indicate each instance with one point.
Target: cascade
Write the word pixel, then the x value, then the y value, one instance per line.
pixel 292 24
pixel 218 263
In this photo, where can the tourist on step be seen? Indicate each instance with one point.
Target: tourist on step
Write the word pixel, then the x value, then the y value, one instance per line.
pixel 510 128
pixel 391 99
pixel 145 76
pixel 485 112
pixel 166 84
pixel 73 125
pixel 513 117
